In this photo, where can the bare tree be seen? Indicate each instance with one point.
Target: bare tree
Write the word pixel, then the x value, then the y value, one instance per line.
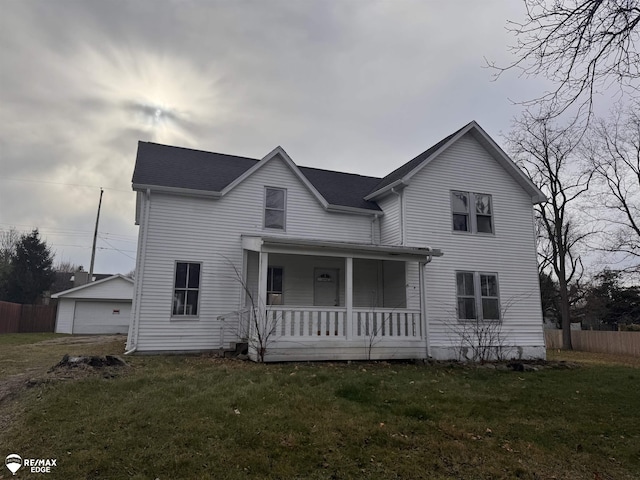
pixel 66 266
pixel 483 339
pixel 583 46
pixel 255 322
pixel 8 242
pixel 548 154
pixel 614 152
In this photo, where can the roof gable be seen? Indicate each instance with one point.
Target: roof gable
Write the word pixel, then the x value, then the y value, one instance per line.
pixel 278 153
pixel 402 175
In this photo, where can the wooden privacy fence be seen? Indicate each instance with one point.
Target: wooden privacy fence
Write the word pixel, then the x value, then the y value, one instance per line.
pixel 17 318
pixel 622 343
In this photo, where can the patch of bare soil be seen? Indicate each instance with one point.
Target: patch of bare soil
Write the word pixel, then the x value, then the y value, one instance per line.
pixel 84 340
pixel 69 368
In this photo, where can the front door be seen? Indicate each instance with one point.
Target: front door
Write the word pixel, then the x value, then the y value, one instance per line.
pixel 325 291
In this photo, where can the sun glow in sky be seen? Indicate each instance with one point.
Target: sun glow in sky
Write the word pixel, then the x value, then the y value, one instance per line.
pixel 338 86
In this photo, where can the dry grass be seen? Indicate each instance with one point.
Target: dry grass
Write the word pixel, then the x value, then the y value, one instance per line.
pixel 200 417
pixel 587 358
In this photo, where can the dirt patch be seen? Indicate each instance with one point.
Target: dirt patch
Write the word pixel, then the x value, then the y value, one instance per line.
pixel 84 340
pixel 70 367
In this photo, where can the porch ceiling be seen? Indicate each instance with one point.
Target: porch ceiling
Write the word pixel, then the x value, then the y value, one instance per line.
pixel 305 246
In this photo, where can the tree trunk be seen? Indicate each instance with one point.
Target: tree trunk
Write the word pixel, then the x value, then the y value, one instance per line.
pixel 564 313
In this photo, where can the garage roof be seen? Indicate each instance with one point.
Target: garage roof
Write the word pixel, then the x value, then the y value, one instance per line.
pixel 101 289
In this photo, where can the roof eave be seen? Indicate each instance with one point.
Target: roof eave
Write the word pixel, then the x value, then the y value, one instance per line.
pixel 90 284
pixel 405 252
pixel 176 190
pixel 401 183
pixel 355 210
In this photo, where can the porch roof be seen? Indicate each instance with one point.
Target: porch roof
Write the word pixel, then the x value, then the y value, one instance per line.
pixel 306 246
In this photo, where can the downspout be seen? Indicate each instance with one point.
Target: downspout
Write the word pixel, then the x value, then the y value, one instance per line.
pixel 374 219
pixel 401 207
pixel 142 251
pixel 423 303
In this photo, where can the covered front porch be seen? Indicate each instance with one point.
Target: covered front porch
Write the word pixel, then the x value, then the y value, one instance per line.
pixel 318 300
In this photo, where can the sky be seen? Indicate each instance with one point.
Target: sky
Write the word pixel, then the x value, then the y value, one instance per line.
pixel 352 85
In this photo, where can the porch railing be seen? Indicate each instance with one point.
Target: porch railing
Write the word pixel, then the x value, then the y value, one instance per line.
pixel 332 322
pixel 387 323
pixel 307 321
pixel 324 323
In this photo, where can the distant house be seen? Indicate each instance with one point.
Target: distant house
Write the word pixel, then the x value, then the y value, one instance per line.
pixel 332 265
pixel 100 307
pixel 67 280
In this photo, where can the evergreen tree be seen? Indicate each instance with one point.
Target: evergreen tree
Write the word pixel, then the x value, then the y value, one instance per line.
pixel 31 272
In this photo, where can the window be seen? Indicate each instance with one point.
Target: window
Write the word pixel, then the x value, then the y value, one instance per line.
pixel 274 208
pixel 466 295
pixel 477 292
pixel 274 286
pixel 460 207
pixel 478 219
pixel 186 289
pixel 483 213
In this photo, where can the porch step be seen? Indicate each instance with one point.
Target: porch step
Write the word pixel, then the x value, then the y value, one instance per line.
pixel 236 349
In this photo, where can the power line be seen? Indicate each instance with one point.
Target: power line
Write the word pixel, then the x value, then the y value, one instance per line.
pixel 72 232
pixel 65 184
pixel 117 250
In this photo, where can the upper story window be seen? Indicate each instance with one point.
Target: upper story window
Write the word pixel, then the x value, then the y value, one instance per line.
pixel 472 212
pixel 477 295
pixel 186 289
pixel 275 200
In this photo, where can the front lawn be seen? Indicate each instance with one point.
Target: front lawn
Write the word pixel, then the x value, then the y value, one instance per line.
pixel 172 417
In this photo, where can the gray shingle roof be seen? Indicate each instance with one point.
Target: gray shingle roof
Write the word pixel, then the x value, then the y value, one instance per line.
pixel 400 172
pixel 167 166
pixel 340 188
pixel 177 167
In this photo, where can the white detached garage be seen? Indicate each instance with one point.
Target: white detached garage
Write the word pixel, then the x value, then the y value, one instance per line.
pixel 102 307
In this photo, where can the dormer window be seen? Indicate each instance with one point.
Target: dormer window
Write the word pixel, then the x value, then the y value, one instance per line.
pixel 275 208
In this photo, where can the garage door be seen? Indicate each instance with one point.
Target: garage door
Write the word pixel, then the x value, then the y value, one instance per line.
pixel 101 317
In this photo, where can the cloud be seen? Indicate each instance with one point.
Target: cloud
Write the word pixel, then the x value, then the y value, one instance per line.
pixel 337 85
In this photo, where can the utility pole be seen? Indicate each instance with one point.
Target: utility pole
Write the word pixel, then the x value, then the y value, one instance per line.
pixel 95 237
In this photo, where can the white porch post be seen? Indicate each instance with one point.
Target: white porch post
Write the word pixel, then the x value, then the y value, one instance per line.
pixel 263 268
pixel 348 273
pixel 424 321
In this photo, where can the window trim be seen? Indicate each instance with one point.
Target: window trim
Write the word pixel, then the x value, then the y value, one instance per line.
pixel 478 297
pixel 472 215
pixel 179 316
pixel 270 269
pixel 283 210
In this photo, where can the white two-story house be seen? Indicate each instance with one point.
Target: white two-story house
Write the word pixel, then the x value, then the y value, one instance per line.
pixel 311 264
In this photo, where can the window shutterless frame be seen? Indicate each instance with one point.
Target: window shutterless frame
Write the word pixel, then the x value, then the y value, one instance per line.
pixel 275 208
pixel 472 213
pixel 477 296
pixel 186 290
pixel 275 286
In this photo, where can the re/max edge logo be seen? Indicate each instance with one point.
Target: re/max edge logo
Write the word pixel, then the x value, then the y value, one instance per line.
pixel 15 462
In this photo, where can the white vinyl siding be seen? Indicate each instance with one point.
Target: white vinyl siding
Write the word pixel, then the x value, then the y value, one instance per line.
pixel 211 235
pixel 390 233
pixel 64 315
pixel 510 253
